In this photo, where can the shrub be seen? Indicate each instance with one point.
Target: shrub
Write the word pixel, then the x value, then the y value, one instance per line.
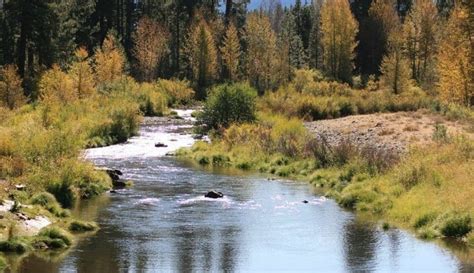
pixel 288 137
pixel 57 86
pixel 125 122
pixel 178 91
pixel 152 101
pixel 440 134
pixel 228 104
pixel 80 226
pixel 303 77
pixel 457 226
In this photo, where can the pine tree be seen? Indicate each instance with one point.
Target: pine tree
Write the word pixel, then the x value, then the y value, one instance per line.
pixel 261 59
pixel 202 55
pixel 230 51
pixel 81 74
pixel 109 61
pixel 382 20
pixel 455 84
pixel 291 41
pixel 151 45
pixel 421 39
pixel 75 27
pixel 315 49
pixel 11 92
pixel 395 67
pixel 339 29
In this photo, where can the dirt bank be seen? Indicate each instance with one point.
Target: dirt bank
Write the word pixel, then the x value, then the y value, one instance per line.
pixel 388 131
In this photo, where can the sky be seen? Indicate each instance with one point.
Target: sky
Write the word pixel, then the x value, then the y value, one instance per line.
pixel 256 3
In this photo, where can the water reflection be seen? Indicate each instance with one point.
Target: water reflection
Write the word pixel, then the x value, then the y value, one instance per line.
pixel 360 243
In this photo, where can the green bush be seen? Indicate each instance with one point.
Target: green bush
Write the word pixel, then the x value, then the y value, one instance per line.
pixel 228 104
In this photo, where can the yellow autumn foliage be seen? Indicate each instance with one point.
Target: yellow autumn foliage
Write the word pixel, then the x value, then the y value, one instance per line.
pixel 57 86
pixel 11 92
pixel 82 75
pixel 455 85
pixel 109 61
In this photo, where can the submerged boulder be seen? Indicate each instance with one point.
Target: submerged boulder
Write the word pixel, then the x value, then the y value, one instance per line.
pixel 214 194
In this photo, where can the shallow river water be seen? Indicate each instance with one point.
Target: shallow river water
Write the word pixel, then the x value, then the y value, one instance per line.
pixel 164 224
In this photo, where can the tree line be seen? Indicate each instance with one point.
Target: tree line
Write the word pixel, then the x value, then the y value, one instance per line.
pixel 401 42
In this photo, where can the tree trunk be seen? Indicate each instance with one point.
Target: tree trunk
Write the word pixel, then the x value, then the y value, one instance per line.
pixel 228 11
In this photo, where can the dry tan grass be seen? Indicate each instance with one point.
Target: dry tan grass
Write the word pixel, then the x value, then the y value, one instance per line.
pixel 386 132
pixel 410 128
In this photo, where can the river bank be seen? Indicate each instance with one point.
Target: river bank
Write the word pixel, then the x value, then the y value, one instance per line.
pixel 39 224
pixel 426 189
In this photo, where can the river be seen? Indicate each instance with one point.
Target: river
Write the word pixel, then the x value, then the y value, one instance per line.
pixel 164 224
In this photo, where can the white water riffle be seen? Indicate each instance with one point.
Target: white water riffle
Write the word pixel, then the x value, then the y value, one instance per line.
pixel 143 145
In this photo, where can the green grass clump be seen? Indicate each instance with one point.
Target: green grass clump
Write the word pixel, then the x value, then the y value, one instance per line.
pixel 220 160
pixel 203 160
pixel 428 233
pixel 48 201
pixel 457 226
pixel 64 193
pixel 14 245
pixel 56 236
pixel 470 239
pixel 424 220
pixel 80 226
pixel 3 264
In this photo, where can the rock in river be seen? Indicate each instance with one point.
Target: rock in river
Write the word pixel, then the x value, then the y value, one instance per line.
pixel 214 194
pixel 113 173
pixel 160 145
